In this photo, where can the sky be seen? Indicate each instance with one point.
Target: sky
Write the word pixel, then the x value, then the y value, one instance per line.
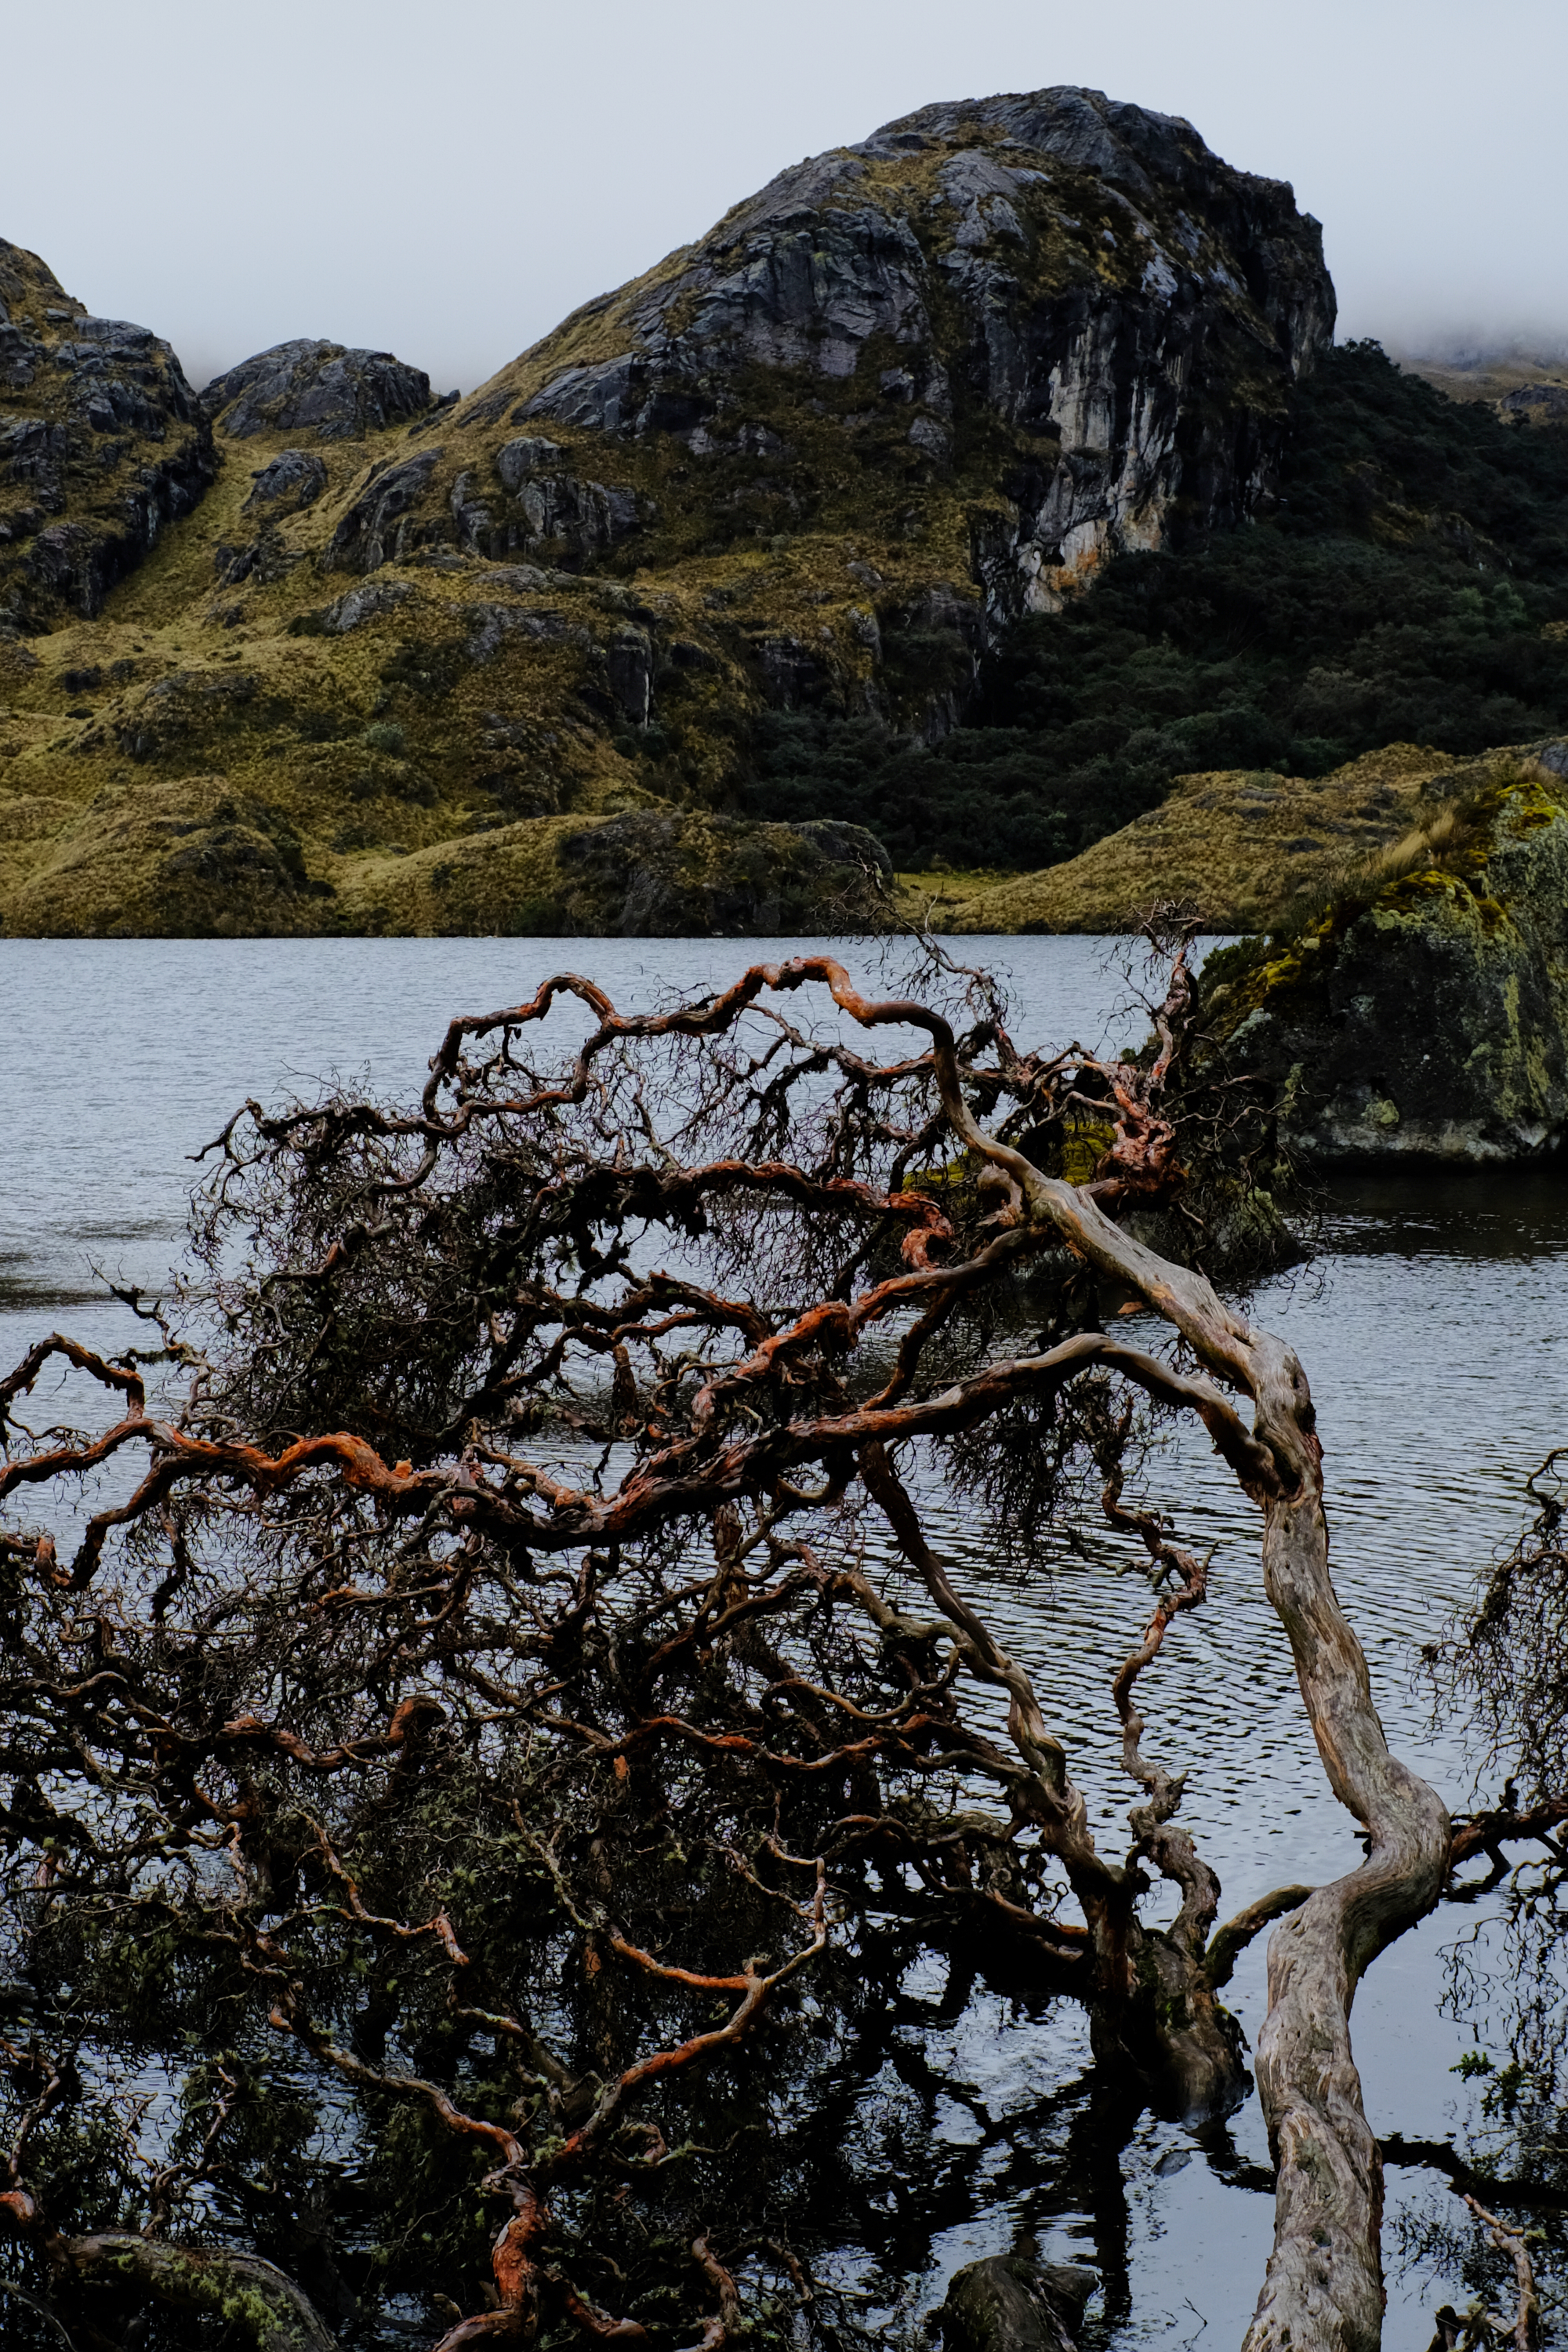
pixel 448 178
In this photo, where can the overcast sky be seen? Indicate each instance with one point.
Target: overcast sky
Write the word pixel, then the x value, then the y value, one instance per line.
pixel 446 178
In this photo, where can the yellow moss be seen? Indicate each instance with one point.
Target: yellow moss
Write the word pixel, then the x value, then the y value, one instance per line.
pixel 1222 842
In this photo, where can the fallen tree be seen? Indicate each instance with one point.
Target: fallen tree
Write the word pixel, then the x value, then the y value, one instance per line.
pixel 488 1721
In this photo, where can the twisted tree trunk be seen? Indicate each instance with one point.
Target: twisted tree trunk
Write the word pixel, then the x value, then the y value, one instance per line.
pixel 1324 2281
pixel 1323 2289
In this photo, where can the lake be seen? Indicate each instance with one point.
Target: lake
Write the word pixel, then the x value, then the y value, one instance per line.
pixel 1430 1327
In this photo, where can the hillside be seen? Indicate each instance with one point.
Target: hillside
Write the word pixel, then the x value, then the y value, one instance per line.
pixel 1519 379
pixel 1239 846
pixel 1406 581
pixel 406 660
pixel 103 445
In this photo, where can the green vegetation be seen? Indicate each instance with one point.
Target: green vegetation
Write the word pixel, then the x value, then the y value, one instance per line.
pixel 1403 588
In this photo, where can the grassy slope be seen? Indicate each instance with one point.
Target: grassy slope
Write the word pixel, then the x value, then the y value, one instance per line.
pixel 209 756
pixel 1242 848
pixel 1410 585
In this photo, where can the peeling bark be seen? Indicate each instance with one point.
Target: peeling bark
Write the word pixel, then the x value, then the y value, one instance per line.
pixel 1323 2287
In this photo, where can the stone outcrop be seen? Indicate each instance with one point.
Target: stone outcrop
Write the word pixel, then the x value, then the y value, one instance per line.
pixel 1084 274
pixel 1423 1015
pixel 290 482
pixel 320 388
pixel 1009 2304
pixel 102 446
pixel 1048 327
pixel 1543 404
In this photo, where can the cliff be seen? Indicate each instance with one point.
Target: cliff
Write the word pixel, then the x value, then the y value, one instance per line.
pixel 1423 1012
pixel 816 463
pixel 102 446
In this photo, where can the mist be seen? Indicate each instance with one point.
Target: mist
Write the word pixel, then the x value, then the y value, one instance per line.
pixel 448 183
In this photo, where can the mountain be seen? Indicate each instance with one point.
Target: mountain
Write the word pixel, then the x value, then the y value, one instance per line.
pixel 102 446
pixel 521 661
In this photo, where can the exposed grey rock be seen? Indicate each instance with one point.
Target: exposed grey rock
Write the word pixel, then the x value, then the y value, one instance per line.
pixel 576 519
pixel 1545 403
pixel 1007 2304
pixel 267 558
pixel 294 480
pixel 381 525
pixel 1430 1023
pixel 442 407
pixel 20 354
pixel 340 394
pixel 101 436
pixel 932 440
pixel 364 604
pixel 794 677
pixel 525 578
pixel 122 379
pixel 488 626
pixel 1149 346
pixel 515 460
pixel 630 665
pixel 32 450
pixel 470 513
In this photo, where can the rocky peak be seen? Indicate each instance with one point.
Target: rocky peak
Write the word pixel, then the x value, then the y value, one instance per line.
pixel 322 388
pixel 102 443
pixel 1085 272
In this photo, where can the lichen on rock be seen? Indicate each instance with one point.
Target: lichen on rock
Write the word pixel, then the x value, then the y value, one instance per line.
pixel 306 387
pixel 1423 1013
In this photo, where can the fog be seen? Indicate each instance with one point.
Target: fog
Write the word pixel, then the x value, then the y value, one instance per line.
pixel 449 181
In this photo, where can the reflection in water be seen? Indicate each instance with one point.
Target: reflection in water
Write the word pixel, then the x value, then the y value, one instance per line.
pixel 954 2120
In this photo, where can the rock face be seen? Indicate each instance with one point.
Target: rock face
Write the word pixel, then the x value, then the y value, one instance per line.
pixel 1428 1020
pixel 315 387
pixel 102 445
pixel 294 480
pixel 1543 404
pixel 1007 2304
pixel 1084 274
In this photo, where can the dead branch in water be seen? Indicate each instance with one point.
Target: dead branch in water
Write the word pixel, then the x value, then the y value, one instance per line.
pixel 541 1577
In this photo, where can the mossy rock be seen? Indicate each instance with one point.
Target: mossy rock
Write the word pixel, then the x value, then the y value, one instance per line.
pixel 1009 2304
pixel 1423 1014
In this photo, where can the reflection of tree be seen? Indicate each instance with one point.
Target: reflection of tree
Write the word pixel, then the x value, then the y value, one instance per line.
pixel 496 1743
pixel 1508 1661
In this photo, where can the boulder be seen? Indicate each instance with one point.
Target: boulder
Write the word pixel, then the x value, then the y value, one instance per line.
pixel 1008 2304
pixel 322 388
pixel 293 480
pixel 382 523
pixel 1423 1014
